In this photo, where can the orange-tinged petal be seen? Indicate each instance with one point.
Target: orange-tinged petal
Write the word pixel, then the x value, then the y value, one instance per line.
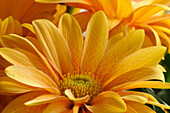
pixel 157 38
pixel 164 39
pixel 109 7
pixel 161 28
pixel 141 74
pixel 44 98
pixel 59 107
pixel 15 41
pixel 64 1
pixel 147 57
pixel 124 9
pixel 138 108
pixel 17 105
pixel 12 87
pixel 131 43
pixel 95 43
pixel 142 84
pixel 71 31
pixel 83 21
pixel 107 102
pixel 22 58
pixel 113 22
pixel 33 77
pixel 145 12
pixel 81 100
pixel 54 45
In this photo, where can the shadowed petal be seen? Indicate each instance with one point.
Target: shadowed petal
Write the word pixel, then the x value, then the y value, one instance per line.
pixel 17 105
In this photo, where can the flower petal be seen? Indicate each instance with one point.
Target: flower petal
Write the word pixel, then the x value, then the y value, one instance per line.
pixel 83 21
pixel 44 98
pixel 138 108
pixel 33 77
pixel 12 87
pixel 134 96
pixel 138 75
pixel 15 41
pixel 119 51
pixel 124 9
pixel 17 105
pixel 62 106
pixel 54 45
pixel 22 58
pixel 63 1
pixel 71 31
pixel 142 84
pixel 81 100
pixel 147 57
pixel 95 42
pixel 145 12
pixel 107 102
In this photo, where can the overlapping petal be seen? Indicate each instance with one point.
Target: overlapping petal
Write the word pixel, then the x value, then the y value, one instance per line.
pixel 95 43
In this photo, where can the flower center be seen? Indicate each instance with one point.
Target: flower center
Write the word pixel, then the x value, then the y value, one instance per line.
pixel 81 85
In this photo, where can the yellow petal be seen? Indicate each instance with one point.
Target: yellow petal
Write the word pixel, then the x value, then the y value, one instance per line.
pixel 22 58
pixel 83 21
pixel 33 77
pixel 157 38
pixel 138 108
pixel 114 39
pixel 15 41
pixel 124 9
pixel 158 104
pixel 54 45
pixel 44 98
pixel 95 42
pixel 164 39
pixel 29 26
pixel 7 26
pixel 142 84
pixel 107 102
pixel 63 1
pixel 12 87
pixel 134 96
pixel 81 100
pixel 145 12
pixel 123 48
pixel 147 57
pixel 138 75
pixel 62 106
pixel 71 31
pixel 17 105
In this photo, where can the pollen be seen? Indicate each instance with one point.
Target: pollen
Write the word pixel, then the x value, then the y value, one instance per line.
pixel 81 85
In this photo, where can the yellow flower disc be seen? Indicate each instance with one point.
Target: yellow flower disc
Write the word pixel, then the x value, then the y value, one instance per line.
pixel 81 85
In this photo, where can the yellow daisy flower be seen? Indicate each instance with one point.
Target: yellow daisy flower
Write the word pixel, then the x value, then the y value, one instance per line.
pixel 70 75
pixel 126 14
